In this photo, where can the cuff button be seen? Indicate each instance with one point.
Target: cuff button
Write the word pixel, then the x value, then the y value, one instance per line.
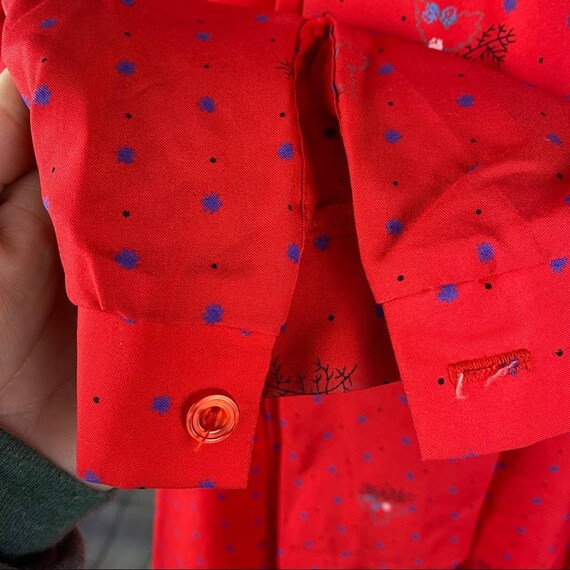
pixel 212 418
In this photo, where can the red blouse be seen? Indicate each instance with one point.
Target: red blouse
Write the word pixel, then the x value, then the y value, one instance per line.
pixel 300 199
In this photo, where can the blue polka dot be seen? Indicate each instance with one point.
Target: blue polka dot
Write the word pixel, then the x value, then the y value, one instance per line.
pixel 42 96
pixel 418 561
pixel 386 69
pixel 415 537
pixel 27 102
pixel 453 540
pixel 213 314
pixel 486 252
pixel 46 203
pixel 303 515
pixel 361 419
pixel 211 203
pixel 337 500
pixel 453 490
pixel 322 242
pixel 507 556
pixel 283 422
pixel 203 36
pixel 128 320
pixel 207 104
pixel 317 399
pixel 379 544
pixel 91 476
pixel 341 528
pixel 230 548
pixel 125 155
pixel 345 553
pixel 294 253
pixel 293 455
pixel 196 534
pixel 200 560
pixel 567 199
pixel 521 530
pixel 327 435
pixel 509 5
pixel 448 293
pixel 244 332
pixel 280 551
pixel 557 265
pixel 261 18
pixel 308 543
pixel 380 311
pixel 286 151
pixel 403 399
pixel 127 258
pixel 267 416
pixel 49 23
pixel 161 404
pixel 454 515
pixel 555 139
pixel 466 101
pixel 394 227
pixel 536 501
pixel 256 469
pixel 554 468
pixel 126 67
pixel 283 328
pixel 276 446
pixel 298 482
pixel 406 440
pixel 392 136
pixel 331 469
pixel 367 456
pixel 410 476
pixel 128 2
pixel 412 508
pixel 255 495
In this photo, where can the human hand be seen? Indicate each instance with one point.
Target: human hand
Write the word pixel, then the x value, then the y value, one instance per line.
pixel 37 320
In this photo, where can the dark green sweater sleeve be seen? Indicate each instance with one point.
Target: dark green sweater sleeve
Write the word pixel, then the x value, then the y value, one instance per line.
pixel 40 505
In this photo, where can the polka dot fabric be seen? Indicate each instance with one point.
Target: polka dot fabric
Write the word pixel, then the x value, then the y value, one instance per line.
pixel 275 201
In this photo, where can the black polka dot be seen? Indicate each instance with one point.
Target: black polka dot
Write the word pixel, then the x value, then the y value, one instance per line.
pixel 96 399
pixel 403 18
pixel 380 50
pixel 395 183
pixel 206 66
pixel 272 40
pixel 390 103
pixel 329 133
pixel 290 206
pixel 440 381
pixel 281 114
pixel 400 278
pixel 200 21
pixel 478 211
pixel 128 34
pixel 128 115
pixel 540 60
pixel 460 75
pixel 559 352
pixel 543 113
pixel 340 181
pixel 559 175
pixel 142 487
pixel 44 59
pixel 331 317
pixel 473 141
pixel 126 213
pixel 212 159
pixel 214 266
pixel 488 286
pixel 53 168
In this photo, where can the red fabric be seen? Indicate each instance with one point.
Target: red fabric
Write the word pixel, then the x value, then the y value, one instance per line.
pixel 294 203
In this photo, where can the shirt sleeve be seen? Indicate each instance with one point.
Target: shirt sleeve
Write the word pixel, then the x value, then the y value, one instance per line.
pixel 462 206
pixel 40 505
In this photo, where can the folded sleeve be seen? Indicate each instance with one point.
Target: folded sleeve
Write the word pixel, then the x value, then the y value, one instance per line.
pixel 460 187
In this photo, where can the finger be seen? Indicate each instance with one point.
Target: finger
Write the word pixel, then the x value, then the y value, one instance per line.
pixel 16 151
pixel 20 199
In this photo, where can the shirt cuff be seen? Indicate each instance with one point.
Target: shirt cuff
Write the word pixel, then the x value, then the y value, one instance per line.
pixel 39 503
pixel 485 363
pixel 138 384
